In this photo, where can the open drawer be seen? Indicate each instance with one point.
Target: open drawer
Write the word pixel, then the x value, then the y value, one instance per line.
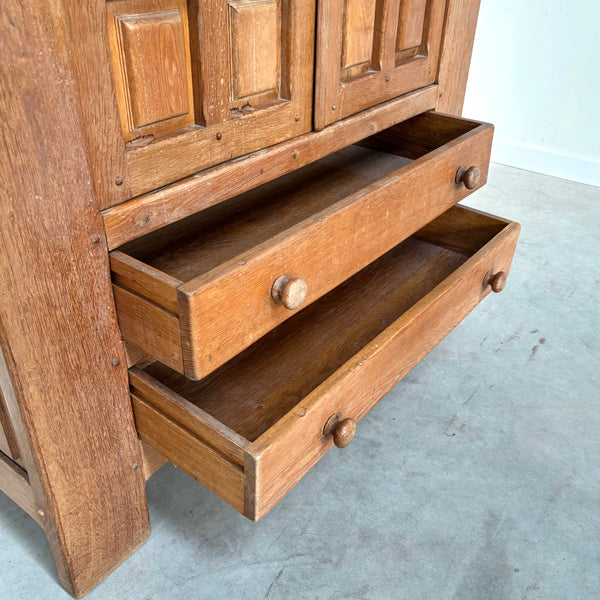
pixel 196 293
pixel 250 430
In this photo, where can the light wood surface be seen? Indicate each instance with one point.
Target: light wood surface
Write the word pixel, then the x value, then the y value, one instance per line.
pixel 333 358
pixel 321 225
pixel 8 436
pixel 258 120
pixel 58 327
pixel 188 452
pixel 149 212
pixel 19 450
pixel 459 35
pixel 357 62
pixel 15 484
pixel 86 28
pixel 106 102
pixel 149 327
pixel 150 48
pixel 295 443
pixel 255 51
pixel 152 460
pixel 410 27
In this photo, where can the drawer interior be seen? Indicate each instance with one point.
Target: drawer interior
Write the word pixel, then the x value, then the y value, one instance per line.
pixel 196 293
pixel 194 246
pixel 251 392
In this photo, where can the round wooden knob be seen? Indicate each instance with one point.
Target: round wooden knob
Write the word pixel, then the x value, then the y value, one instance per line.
pixel 496 281
pixel 469 177
pixel 342 431
pixel 289 292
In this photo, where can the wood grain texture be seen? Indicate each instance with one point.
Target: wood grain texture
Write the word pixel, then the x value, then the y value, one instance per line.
pixel 410 24
pixel 357 34
pixel 57 311
pixel 385 41
pixel 292 446
pixel 422 134
pixel 142 279
pixel 229 265
pixel 188 452
pixel 86 29
pixel 8 436
pixel 337 98
pixel 459 35
pixel 150 212
pixel 150 47
pixel 255 34
pixel 339 356
pixel 18 447
pixel 224 135
pixel 149 327
pixel 210 430
pixel 4 443
pixel 152 460
pixel 323 250
pixel 15 484
pixel 256 388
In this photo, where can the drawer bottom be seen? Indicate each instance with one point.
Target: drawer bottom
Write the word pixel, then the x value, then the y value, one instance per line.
pixel 251 429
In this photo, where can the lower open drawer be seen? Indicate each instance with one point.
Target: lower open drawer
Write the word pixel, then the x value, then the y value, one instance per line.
pixel 250 430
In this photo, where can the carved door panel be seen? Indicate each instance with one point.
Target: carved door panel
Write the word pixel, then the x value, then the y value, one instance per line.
pixel 199 82
pixel 369 51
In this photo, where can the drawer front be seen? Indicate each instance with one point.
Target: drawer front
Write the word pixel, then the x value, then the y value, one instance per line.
pixel 252 429
pixel 224 310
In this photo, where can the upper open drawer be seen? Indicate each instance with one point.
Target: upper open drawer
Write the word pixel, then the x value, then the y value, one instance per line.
pixel 195 294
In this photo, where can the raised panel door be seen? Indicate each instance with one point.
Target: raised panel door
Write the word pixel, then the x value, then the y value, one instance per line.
pixel 199 82
pixel 369 51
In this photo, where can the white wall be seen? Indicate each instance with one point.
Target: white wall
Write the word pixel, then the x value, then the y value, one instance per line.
pixel 535 74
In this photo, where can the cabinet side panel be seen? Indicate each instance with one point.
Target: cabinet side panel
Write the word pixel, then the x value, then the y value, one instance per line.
pixel 58 327
pixel 459 34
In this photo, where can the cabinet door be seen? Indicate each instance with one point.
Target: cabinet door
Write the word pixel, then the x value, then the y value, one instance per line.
pixel 369 51
pixel 199 82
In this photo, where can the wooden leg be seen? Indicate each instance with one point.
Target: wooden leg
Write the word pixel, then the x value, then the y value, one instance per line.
pixel 58 328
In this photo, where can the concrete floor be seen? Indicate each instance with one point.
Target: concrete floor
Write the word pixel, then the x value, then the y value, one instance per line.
pixel 476 478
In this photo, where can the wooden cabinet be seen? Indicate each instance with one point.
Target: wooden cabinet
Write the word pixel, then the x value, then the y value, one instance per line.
pixel 196 294
pixel 369 51
pixel 200 82
pixel 253 428
pixel 233 228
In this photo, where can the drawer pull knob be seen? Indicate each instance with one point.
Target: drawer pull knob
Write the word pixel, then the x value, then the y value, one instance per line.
pixel 496 281
pixel 342 431
pixel 469 177
pixel 289 292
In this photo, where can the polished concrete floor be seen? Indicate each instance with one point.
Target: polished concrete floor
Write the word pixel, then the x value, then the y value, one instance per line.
pixel 476 478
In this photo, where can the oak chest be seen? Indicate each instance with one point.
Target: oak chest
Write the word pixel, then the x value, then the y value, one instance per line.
pixel 230 227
